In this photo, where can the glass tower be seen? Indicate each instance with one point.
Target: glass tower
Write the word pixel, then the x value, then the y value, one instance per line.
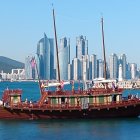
pixel 45 53
pixel 81 47
pixel 123 62
pixel 93 67
pixel 30 68
pixel 64 57
pixel 113 63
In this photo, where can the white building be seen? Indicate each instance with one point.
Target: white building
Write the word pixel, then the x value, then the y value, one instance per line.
pixel 133 70
pixel 120 78
pixel 76 69
pixel 16 74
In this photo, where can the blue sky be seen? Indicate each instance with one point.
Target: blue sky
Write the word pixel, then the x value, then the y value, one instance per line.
pixel 23 23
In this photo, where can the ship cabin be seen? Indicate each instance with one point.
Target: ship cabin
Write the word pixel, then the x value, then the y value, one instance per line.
pixel 12 97
pixel 81 98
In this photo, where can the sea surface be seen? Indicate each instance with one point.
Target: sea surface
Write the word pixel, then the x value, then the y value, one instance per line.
pixel 66 129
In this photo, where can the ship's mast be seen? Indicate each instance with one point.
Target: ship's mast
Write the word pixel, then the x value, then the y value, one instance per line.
pixel 103 43
pixel 40 88
pixel 58 69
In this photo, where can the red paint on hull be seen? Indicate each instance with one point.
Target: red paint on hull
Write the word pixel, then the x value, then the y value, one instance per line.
pixel 123 111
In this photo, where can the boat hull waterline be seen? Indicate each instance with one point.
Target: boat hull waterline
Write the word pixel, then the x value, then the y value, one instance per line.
pixel 97 112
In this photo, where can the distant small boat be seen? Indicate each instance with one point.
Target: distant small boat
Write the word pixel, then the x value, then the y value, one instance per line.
pixel 54 84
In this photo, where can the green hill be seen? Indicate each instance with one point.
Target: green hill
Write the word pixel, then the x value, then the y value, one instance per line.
pixel 7 64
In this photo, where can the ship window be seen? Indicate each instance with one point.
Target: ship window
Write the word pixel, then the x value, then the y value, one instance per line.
pixel 62 99
pixel 114 98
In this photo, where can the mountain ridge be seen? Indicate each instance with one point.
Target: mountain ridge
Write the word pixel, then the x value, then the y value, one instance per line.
pixel 7 64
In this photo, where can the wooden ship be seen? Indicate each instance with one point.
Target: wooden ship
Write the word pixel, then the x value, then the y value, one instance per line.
pixel 103 102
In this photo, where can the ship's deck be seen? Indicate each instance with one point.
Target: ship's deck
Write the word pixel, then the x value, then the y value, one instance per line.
pixel 98 106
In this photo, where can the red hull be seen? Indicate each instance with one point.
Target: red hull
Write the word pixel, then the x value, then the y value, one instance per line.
pixel 123 111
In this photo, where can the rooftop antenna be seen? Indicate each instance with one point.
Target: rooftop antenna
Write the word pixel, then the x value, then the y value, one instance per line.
pixel 58 69
pixel 103 44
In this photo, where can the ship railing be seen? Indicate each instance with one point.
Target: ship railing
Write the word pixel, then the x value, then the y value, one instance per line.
pixel 45 106
pixel 84 92
pixel 60 106
pixel 114 104
pixel 67 92
pixel 103 91
pixel 64 106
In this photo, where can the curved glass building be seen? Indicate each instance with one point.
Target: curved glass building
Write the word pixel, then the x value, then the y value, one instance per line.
pixel 64 57
pixel 45 53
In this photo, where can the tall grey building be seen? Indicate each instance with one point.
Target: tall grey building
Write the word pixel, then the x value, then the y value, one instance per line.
pixel 45 53
pixel 113 66
pixel 76 69
pixel 133 67
pixel 85 67
pixel 30 68
pixel 69 72
pixel 93 67
pixel 123 62
pixel 64 57
pixel 81 47
pixel 100 68
pixel 128 71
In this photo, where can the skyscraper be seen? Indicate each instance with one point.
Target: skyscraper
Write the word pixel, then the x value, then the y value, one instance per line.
pixel 69 72
pixel 100 68
pixel 113 66
pixel 64 57
pixel 123 62
pixel 30 68
pixel 76 68
pixel 133 70
pixel 120 73
pixel 93 67
pixel 85 67
pixel 45 53
pixel 81 47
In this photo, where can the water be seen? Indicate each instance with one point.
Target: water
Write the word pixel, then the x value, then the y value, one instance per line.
pixel 78 129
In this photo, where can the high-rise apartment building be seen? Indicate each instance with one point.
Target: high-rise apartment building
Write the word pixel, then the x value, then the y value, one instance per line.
pixel 113 66
pixel 100 68
pixel 128 71
pixel 120 73
pixel 64 57
pixel 69 72
pixel 81 47
pixel 45 53
pixel 93 67
pixel 30 68
pixel 85 67
pixel 123 62
pixel 133 67
pixel 76 69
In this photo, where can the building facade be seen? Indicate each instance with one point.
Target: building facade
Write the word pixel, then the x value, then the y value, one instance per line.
pixel 45 54
pixel 93 67
pixel 133 67
pixel 100 68
pixel 64 57
pixel 76 69
pixel 30 68
pixel 113 66
pixel 81 47
pixel 123 62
